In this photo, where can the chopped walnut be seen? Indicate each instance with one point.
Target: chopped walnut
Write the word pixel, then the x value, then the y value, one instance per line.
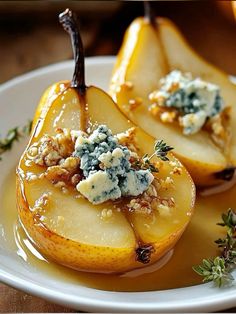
pixel 157 99
pixel 163 184
pixel 48 153
pixel 140 206
pixel 135 103
pixel 168 116
pixel 128 139
pixel 51 149
pixel 154 109
pixel 165 205
pixel 70 164
pixel 151 191
pixel 173 164
pixel 57 174
pixel 33 151
pixel 220 130
pixel 177 170
pixel 76 178
pixel 157 109
pixel 166 183
pixel 149 201
pixel 170 202
pixel 145 203
pixel 60 184
pixel 216 124
pixel 67 172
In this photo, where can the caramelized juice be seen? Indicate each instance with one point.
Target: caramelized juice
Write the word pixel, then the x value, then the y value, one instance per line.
pixel 173 271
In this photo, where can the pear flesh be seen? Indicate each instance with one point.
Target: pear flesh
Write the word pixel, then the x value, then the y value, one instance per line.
pixel 148 54
pixel 98 238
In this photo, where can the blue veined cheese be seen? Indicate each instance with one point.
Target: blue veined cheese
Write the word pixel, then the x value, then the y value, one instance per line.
pixel 101 144
pixel 116 162
pixel 195 99
pixel 193 122
pixel 135 182
pixel 107 169
pixel 99 187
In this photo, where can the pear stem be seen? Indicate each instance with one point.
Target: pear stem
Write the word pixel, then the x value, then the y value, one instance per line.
pixel 149 13
pixel 69 22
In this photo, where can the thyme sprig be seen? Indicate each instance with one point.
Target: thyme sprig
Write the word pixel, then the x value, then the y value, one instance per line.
pixel 219 269
pixel 13 135
pixel 161 150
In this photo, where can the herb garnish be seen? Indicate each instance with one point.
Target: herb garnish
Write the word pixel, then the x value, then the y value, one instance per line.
pixel 13 135
pixel 219 269
pixel 161 150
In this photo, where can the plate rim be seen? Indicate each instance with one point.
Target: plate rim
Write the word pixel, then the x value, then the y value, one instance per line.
pixel 217 301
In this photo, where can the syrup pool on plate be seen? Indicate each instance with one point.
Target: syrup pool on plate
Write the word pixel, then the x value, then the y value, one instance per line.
pixel 174 270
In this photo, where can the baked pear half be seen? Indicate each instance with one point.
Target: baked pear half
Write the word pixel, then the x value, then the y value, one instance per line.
pixel 151 50
pixel 75 216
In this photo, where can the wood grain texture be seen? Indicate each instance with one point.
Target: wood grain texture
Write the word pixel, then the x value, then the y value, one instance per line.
pixel 14 301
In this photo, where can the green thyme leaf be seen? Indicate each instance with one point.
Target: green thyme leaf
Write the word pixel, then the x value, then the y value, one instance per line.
pixel 214 270
pixel 229 220
pixel 13 135
pixel 219 269
pixel 162 149
pixel 27 128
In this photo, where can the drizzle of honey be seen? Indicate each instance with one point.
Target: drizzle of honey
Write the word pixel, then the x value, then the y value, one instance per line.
pixel 173 271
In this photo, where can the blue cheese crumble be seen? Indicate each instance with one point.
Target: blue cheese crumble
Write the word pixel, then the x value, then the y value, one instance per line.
pixel 107 169
pixel 195 100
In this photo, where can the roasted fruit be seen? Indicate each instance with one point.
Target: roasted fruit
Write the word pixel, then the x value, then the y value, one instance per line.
pixel 151 49
pixel 90 235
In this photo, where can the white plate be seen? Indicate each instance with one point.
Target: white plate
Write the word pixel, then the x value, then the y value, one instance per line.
pixel 18 100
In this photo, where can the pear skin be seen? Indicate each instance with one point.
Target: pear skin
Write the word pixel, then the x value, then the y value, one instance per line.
pixel 69 229
pixel 145 57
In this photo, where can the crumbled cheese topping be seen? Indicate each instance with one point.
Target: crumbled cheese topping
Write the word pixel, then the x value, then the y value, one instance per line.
pixel 195 100
pixel 107 169
pixel 100 166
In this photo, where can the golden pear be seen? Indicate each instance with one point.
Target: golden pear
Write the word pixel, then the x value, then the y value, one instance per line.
pixel 151 50
pixel 69 229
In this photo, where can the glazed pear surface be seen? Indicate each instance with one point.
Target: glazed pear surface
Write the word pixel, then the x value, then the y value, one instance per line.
pixel 72 231
pixel 149 52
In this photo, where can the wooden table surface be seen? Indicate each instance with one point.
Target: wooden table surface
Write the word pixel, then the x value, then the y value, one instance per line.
pixel 22 51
